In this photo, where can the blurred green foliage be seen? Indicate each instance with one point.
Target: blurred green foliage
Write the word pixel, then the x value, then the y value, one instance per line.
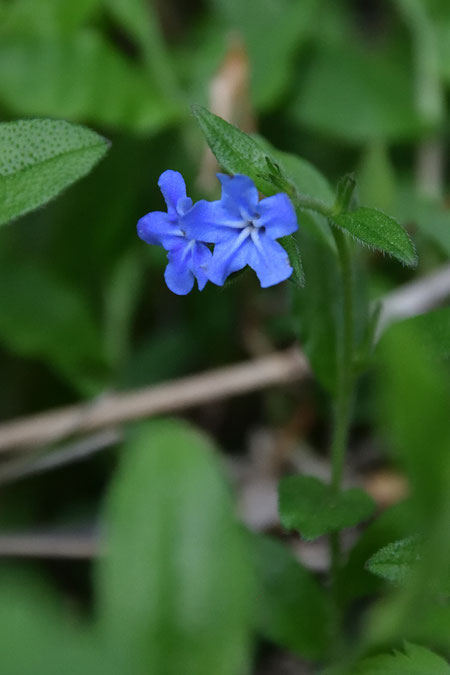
pixel 346 86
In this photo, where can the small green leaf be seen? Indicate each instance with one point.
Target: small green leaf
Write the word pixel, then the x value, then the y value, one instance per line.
pixel 395 561
pixel 344 193
pixel 415 660
pixel 377 230
pixel 312 508
pixel 39 158
pixel 293 611
pixel 176 586
pixel 238 152
pixel 292 248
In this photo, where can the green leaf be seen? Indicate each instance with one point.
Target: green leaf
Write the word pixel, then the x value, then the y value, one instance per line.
pixel 77 77
pixel 315 311
pixel 375 229
pixel 355 581
pixel 43 317
pixel 394 561
pixel 293 611
pixel 176 586
pixel 31 613
pixel 39 158
pixel 238 152
pixel 429 216
pixel 358 96
pixel 309 182
pixel 415 660
pixel 292 248
pixel 313 509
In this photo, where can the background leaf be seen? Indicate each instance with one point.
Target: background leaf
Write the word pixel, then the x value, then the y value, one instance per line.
pixel 394 561
pixel 311 507
pixel 71 342
pixel 176 586
pixel 39 158
pixel 415 660
pixel 358 95
pixel 293 609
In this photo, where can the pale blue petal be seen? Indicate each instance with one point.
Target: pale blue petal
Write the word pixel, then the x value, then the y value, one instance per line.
pixel 154 226
pixel 239 196
pixel 206 221
pixel 200 260
pixel 269 260
pixel 277 215
pixel 178 275
pixel 173 188
pixel 228 258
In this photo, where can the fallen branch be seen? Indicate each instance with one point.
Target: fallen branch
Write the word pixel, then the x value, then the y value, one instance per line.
pixel 112 410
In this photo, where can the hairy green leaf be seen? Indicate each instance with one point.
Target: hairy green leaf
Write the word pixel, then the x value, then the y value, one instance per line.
pixel 394 561
pixel 175 587
pixel 39 158
pixel 415 660
pixel 377 230
pixel 312 508
pixel 292 608
pixel 292 248
pixel 238 152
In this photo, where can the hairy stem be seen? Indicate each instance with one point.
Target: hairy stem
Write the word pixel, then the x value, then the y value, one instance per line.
pixel 342 409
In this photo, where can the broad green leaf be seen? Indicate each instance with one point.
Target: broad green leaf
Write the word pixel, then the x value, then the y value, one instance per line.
pixel 42 317
pixel 238 152
pixel 395 561
pixel 312 508
pixel 358 96
pixel 293 611
pixel 80 76
pixel 375 229
pixel 176 584
pixel 39 158
pixel 415 660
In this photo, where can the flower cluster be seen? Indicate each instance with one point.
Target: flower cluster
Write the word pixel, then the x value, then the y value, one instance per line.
pixel 243 229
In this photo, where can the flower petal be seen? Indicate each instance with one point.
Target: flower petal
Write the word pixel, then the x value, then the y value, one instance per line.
pixel 178 275
pixel 172 185
pixel 205 222
pixel 228 258
pixel 239 196
pixel 277 215
pixel 155 227
pixel 200 261
pixel 269 260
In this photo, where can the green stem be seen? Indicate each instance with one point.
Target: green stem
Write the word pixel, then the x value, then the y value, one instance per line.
pixel 345 376
pixel 305 202
pixel 342 411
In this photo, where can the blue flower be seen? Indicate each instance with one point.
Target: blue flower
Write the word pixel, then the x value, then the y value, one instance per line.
pixel 245 230
pixel 188 258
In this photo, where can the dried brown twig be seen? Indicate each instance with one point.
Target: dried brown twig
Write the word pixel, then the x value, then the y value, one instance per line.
pixel 112 410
